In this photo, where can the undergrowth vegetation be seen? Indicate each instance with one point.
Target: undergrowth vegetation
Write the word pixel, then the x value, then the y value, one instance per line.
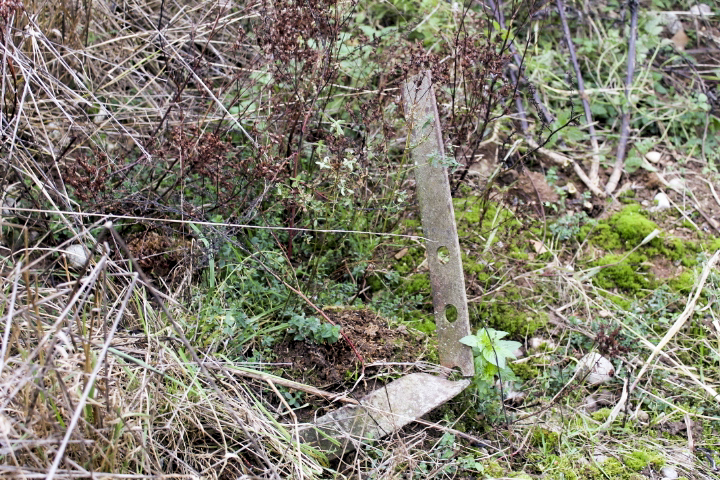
pixel 200 200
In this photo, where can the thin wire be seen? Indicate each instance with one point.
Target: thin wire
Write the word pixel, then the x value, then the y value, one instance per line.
pixel 107 217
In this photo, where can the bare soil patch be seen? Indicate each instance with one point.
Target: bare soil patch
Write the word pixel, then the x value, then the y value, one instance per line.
pixel 374 340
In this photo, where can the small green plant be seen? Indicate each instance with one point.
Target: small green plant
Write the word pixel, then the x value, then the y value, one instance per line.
pixel 491 356
pixel 313 330
pixel 569 225
pixel 491 353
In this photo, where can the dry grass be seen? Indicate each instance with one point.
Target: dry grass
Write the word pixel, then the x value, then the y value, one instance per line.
pixel 96 379
pixel 83 389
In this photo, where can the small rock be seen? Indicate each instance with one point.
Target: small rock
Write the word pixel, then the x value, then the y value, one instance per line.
pixel 101 116
pixel 669 473
pixel 538 342
pixel 600 458
pixel 672 22
pixel 595 369
pixel 662 202
pixel 7 205
pixel 680 39
pixel 653 157
pixel 677 184
pixel 598 400
pixel 588 205
pixel 76 255
pixel 604 313
pixel 641 416
pixel 700 9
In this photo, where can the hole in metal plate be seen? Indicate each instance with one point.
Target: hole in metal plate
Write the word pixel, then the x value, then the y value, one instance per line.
pixel 443 255
pixel 451 313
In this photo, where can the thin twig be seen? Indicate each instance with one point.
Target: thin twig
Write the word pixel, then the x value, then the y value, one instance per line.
pixel 625 129
pixel 593 178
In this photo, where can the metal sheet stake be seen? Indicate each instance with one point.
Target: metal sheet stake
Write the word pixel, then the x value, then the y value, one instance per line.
pixel 438 220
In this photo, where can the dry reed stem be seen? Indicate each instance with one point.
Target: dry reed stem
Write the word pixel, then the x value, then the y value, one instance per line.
pixel 684 316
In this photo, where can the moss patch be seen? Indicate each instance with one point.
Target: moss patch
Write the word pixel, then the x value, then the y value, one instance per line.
pixel 629 275
pixel 623 230
pixel 525 371
pixel 418 283
pixel 507 312
pixel 546 439
pixel 639 460
pixel 683 283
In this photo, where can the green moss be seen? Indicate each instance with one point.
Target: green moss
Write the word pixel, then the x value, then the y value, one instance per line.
pixel 519 255
pixel 623 230
pixel 471 265
pixel 628 196
pixel 562 466
pixel 681 251
pixel 423 322
pixel 469 210
pixel 613 468
pixel 683 283
pixel 632 226
pixel 629 275
pixel 418 283
pixel 714 245
pixel 601 235
pixel 639 460
pixel 410 261
pixel 507 312
pixel 601 415
pixel 525 370
pixel 546 439
pixel 475 218
pixel 412 223
pixel 493 469
pixel 375 283
pixel 687 224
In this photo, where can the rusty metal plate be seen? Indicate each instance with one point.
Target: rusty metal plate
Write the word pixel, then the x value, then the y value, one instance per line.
pixel 438 220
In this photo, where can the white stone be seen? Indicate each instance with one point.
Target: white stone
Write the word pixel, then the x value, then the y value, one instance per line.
pixel 700 9
pixel 662 202
pixel 653 157
pixel 101 116
pixel 76 255
pixel 669 473
pixel 537 342
pixel 672 22
pixel 677 184
pixel 5 425
pixel 595 369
